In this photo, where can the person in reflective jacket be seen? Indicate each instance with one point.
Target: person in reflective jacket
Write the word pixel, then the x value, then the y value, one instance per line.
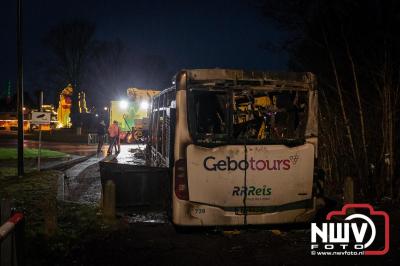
pixel 113 133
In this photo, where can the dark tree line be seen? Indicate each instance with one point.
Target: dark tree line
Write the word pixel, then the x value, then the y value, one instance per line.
pixel 104 69
pixel 353 47
pixel 71 44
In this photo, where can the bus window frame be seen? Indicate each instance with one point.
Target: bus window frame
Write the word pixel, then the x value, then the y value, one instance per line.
pixel 161 103
pixel 230 140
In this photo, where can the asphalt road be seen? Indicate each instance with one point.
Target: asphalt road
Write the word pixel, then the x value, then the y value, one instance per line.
pixel 76 149
pixel 124 156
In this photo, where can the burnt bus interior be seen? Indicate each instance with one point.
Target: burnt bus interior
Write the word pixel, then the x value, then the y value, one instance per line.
pixel 238 115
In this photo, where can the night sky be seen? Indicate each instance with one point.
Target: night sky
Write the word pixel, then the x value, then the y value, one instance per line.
pixel 187 34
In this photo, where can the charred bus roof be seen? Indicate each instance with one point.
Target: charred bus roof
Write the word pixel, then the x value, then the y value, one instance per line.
pixel 235 77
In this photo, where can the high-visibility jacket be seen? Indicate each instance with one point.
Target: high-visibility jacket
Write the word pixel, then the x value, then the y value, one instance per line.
pixel 113 130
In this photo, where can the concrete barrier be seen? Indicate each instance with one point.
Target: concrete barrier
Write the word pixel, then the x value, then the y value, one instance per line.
pixel 136 185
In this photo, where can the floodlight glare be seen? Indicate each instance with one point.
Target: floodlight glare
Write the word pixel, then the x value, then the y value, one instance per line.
pixel 144 105
pixel 123 104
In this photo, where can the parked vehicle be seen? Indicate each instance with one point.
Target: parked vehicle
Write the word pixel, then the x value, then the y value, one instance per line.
pixel 132 114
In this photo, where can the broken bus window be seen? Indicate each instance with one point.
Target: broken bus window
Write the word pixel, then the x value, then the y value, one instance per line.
pixel 221 115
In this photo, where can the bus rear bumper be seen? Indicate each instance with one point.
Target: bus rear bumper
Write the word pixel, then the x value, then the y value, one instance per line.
pixel 196 214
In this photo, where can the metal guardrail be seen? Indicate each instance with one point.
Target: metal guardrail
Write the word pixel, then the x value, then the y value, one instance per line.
pixel 93 139
pixel 11 236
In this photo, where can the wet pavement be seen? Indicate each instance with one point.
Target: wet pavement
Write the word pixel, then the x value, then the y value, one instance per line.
pixel 77 169
pixel 151 217
pixel 82 181
pixel 82 184
pixel 132 154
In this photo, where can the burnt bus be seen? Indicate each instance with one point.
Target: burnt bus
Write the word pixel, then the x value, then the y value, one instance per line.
pixel 241 146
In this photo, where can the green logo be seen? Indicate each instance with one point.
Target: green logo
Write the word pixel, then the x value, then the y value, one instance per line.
pixel 252 191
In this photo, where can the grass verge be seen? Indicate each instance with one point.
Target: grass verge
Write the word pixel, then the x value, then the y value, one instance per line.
pixel 53 227
pixel 11 153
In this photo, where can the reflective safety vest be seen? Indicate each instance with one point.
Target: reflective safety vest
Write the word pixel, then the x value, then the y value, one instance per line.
pixel 113 130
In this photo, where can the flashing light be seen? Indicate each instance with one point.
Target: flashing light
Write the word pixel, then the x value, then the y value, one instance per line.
pixel 123 104
pixel 97 115
pixel 144 105
pixel 105 108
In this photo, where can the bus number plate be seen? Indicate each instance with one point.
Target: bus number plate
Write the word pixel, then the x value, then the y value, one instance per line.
pixel 199 211
pixel 249 210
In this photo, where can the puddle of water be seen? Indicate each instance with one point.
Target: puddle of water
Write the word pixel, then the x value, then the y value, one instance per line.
pixel 132 154
pixel 136 162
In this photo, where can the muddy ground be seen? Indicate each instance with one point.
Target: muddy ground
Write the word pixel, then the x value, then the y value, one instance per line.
pixel 160 244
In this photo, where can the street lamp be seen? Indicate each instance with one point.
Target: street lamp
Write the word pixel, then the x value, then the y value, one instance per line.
pixel 107 111
pixel 123 104
pixel 20 91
